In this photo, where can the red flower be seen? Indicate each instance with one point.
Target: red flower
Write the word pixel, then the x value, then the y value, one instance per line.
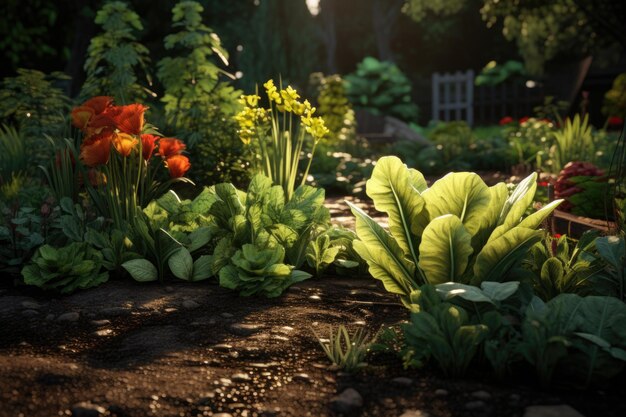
pixel 177 165
pixel 99 103
pixel 169 147
pixel 506 120
pixel 127 119
pixel 543 184
pixel 148 142
pixel 523 119
pixel 96 149
pixel 557 235
pixel 615 121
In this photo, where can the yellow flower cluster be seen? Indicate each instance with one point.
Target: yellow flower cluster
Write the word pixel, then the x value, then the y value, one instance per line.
pixel 251 118
pixel 287 101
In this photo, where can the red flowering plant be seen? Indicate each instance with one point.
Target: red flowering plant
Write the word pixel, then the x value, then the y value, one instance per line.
pixel 118 149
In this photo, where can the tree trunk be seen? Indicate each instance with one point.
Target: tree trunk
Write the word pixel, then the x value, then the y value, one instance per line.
pixel 385 14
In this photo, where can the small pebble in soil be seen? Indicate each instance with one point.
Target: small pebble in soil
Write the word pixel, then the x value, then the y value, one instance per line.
pixel 169 289
pixel 481 395
pixel 245 329
pixel 227 315
pixel 101 323
pixel 170 310
pixel 475 405
pixel 315 297
pixel 515 398
pixel 87 409
pixel 190 304
pixel 69 317
pixel 440 392
pixel 206 399
pixel 224 347
pixel 302 377
pixel 402 381
pixel 31 305
pixel 240 377
pixel 222 415
pixel 30 313
pixel 562 410
pixel 50 317
pixel 103 332
pixel 415 413
pixel 348 401
pixel 225 382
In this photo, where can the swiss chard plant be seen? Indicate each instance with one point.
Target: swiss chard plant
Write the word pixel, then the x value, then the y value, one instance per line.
pixel 457 230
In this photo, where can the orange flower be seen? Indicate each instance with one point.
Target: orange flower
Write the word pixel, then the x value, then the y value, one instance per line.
pixel 177 165
pixel 128 119
pixel 148 142
pixel 124 143
pixel 95 150
pixel 169 147
pixel 99 103
pixel 81 116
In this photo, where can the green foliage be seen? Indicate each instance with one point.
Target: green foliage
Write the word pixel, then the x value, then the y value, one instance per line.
pixel 573 142
pixel 455 147
pixel 334 107
pixel 612 250
pixel 380 87
pixel 320 253
pixel 615 98
pixel 115 58
pixel 222 157
pixel 494 73
pixel 33 102
pixel 13 155
pixel 255 271
pixel 457 230
pixel 582 335
pixel 264 219
pixel 114 245
pixel 347 352
pixel 442 331
pixel 557 268
pixel 419 9
pixel 194 95
pixel 65 269
pixel 530 142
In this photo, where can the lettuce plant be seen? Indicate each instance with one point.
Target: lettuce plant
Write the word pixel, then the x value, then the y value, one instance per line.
pixel 458 230
pixel 65 269
pixel 260 271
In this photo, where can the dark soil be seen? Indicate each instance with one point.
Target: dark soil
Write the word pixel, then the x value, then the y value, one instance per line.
pixel 156 357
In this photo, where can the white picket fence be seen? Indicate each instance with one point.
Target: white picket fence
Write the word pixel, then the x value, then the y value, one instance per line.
pixel 453 96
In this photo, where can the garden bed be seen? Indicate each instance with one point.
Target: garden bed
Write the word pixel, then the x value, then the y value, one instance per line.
pixel 187 350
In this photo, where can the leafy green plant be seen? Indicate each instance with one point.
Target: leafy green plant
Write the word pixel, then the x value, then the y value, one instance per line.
pixel 615 98
pixel 494 73
pixel 442 331
pixel 259 271
pixel 263 217
pixel 321 253
pixel 380 87
pixel 459 229
pixel 346 351
pixel 612 249
pixel 580 337
pixel 61 172
pixel 65 269
pixel 573 142
pixel 530 142
pixel 194 96
pixel 33 102
pixel 115 56
pixel 114 245
pixel 556 268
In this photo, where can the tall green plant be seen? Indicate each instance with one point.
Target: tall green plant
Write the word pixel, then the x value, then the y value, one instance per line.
pixel 574 142
pixel 13 154
pixel 457 230
pixel 194 95
pixel 115 59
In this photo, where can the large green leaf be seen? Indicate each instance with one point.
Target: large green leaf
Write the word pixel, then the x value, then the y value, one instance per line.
pixel 519 200
pixel 383 255
pixel 445 249
pixel 535 219
pixel 141 270
pixel 391 189
pixel 463 194
pixel 499 194
pixel 499 255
